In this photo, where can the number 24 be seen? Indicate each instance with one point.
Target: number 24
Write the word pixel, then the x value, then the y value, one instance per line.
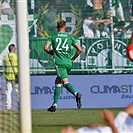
pixel 65 45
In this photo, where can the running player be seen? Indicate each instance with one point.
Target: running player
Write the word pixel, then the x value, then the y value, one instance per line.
pixel 61 44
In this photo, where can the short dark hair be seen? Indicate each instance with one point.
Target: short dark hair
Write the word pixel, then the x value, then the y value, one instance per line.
pixel 11 47
pixel 121 23
pixel 101 24
pixel 61 24
pixel 97 15
pixel 86 15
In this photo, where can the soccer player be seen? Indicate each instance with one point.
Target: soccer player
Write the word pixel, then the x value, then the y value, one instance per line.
pixel 122 123
pixel 129 47
pixel 61 50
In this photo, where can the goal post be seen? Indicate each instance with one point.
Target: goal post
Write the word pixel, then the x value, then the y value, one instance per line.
pixel 24 73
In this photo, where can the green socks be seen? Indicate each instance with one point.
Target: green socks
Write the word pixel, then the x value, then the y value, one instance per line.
pixel 70 88
pixel 57 93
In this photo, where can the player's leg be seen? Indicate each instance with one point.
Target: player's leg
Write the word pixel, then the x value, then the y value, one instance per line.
pixel 70 88
pixel 62 73
pixel 57 91
pixel 56 95
pixel 8 91
pixel 64 78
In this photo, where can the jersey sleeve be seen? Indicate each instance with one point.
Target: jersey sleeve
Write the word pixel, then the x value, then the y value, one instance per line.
pixel 128 49
pixel 49 39
pixel 74 41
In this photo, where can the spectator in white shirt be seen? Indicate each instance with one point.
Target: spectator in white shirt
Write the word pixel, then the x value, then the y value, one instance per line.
pixel 102 31
pixel 87 28
pixel 90 26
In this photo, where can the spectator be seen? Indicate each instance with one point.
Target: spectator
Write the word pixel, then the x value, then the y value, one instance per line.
pixel 129 2
pixel 87 26
pixel 30 6
pixel 98 20
pixel 102 30
pixel 117 9
pixel 10 62
pixel 98 7
pixel 120 29
pixel 6 8
pixel 90 26
pixel 107 23
pixel 89 6
pixel 122 123
pixel 107 17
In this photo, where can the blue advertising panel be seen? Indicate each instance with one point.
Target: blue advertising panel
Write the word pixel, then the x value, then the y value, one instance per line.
pixel 99 91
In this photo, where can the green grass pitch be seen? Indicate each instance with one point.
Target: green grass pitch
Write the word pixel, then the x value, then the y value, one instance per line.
pixel 47 122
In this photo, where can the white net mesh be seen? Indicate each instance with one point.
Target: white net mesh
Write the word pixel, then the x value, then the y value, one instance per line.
pixel 9 119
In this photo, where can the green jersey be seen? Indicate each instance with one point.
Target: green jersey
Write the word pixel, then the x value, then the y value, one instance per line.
pixel 114 2
pixel 61 44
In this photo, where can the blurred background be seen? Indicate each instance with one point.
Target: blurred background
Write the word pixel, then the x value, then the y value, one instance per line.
pixel 101 27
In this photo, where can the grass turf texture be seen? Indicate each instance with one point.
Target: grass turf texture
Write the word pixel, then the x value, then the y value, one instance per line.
pixel 47 122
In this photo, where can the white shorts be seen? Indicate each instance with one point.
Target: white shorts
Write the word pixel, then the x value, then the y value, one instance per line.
pixel 124 122
pixel 105 129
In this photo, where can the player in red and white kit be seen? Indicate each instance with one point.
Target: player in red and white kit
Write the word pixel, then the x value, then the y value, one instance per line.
pixel 129 47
